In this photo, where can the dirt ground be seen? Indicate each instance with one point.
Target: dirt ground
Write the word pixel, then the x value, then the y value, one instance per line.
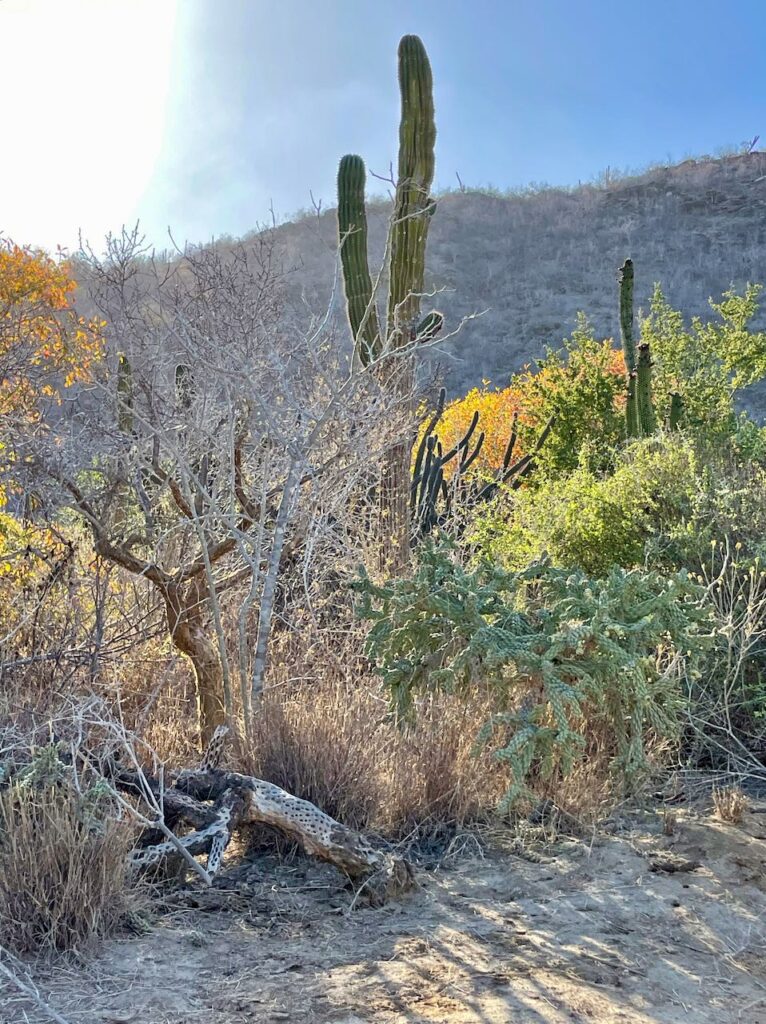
pixel 629 924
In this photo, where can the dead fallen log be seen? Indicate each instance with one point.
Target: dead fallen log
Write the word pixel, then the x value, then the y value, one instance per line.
pixel 215 803
pixel 320 835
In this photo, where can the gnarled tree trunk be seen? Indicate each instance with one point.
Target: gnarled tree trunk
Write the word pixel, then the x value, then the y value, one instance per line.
pixel 190 635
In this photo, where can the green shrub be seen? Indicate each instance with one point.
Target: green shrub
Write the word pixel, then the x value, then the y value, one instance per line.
pixel 705 362
pixel 581 385
pixel 593 520
pixel 572 664
pixel 727 506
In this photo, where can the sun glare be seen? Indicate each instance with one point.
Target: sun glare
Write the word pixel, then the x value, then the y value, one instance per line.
pixel 86 85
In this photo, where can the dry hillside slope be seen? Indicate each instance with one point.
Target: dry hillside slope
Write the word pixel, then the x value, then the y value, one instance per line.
pixel 532 261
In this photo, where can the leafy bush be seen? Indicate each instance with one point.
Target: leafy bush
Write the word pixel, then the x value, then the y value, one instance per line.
pixel 725 505
pixel 581 384
pixel 595 520
pixel 705 362
pixel 571 663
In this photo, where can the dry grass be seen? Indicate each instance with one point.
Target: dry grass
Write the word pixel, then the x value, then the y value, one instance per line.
pixel 62 880
pixel 323 732
pixel 333 743
pixel 730 804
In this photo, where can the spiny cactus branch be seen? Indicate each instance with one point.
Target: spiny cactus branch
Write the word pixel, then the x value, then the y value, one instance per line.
pixel 646 415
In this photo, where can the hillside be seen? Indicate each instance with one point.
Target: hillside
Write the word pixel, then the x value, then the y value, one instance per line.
pixel 532 261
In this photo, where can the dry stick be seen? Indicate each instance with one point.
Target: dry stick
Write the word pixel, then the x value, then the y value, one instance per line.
pixel 30 992
pixel 159 821
pixel 270 583
pixel 244 611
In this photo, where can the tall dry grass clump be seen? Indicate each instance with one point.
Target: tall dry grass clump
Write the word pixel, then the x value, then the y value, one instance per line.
pixel 62 877
pixel 323 732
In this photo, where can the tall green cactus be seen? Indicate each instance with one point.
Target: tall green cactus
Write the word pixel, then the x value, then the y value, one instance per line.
pixel 629 347
pixel 409 229
pixel 352 234
pixel 414 205
pixel 406 249
pixel 676 410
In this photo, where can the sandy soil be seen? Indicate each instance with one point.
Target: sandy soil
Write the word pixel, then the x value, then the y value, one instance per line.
pixel 615 927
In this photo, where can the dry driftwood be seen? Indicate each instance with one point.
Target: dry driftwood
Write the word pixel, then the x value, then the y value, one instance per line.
pixel 216 802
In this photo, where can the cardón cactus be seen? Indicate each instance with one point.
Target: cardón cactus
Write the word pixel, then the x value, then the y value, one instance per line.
pixel 628 346
pixel 414 205
pixel 352 235
pixel 408 234
pixel 646 414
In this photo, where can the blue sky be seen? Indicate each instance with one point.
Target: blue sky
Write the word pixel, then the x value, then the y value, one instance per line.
pixel 203 114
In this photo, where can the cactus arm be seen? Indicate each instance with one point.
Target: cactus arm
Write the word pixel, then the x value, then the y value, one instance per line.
pixel 352 239
pixel 646 415
pixel 422 446
pixel 626 278
pixel 427 469
pixel 511 441
pixel 676 410
pixel 468 460
pixel 464 440
pixel 429 327
pixel 413 206
pixel 626 315
pixel 631 407
pixel 516 472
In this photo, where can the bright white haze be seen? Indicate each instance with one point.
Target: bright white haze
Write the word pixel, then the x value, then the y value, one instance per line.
pixel 85 86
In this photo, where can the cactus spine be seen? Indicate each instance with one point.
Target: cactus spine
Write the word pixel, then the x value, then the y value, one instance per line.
pixel 629 347
pixel 409 229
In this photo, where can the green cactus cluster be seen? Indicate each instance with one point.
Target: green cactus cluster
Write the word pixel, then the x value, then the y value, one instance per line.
pixel 640 412
pixel 408 234
pixel 431 498
pixel 640 416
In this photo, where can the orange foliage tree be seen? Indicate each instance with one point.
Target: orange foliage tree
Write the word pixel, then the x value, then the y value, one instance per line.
pixel 45 345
